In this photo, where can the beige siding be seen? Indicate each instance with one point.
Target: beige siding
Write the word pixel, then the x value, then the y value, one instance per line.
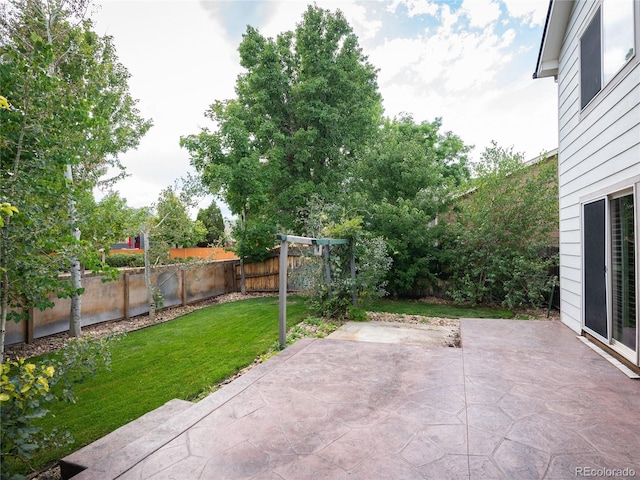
pixel 599 151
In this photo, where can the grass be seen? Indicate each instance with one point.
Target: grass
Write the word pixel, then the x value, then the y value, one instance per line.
pixel 178 359
pixel 410 307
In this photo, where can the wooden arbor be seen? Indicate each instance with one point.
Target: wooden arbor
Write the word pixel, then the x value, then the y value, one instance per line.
pixel 285 240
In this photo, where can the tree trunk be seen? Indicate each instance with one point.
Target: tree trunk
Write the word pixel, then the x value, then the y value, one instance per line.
pixel 4 291
pixel 243 284
pixel 151 297
pixel 75 315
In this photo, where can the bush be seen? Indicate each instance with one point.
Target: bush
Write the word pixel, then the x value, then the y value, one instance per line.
pixel 493 245
pixel 334 300
pixel 121 260
pixel 26 387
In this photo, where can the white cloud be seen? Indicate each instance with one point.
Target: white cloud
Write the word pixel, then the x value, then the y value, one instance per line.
pixel 471 80
pixel 522 114
pixel 449 60
pixel 356 15
pixel 448 18
pixel 415 7
pixel 531 12
pixel 287 14
pixel 481 13
pixel 180 62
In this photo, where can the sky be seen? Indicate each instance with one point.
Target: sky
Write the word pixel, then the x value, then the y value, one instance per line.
pixel 468 62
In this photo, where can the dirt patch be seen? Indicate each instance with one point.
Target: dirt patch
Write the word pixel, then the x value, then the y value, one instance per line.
pixel 415 319
pixel 453 338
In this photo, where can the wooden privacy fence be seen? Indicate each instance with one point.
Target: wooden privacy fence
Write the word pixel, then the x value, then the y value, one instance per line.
pixel 264 276
pixel 126 296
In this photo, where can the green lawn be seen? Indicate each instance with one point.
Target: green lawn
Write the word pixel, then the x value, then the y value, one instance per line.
pixel 434 310
pixel 177 359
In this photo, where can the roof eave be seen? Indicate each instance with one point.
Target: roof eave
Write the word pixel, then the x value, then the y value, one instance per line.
pixel 553 35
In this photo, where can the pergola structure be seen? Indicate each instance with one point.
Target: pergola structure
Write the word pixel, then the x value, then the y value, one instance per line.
pixel 285 240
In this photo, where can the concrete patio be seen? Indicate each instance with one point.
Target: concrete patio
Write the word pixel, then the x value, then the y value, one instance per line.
pixel 519 400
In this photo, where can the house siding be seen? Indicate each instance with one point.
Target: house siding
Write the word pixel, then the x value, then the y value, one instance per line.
pixel 599 150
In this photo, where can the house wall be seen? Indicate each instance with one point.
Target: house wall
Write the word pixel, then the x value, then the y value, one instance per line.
pixel 599 150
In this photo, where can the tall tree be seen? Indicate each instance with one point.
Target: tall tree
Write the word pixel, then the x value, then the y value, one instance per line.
pixel 404 180
pixel 306 103
pixel 211 218
pixel 73 115
pixel 230 165
pixel 174 226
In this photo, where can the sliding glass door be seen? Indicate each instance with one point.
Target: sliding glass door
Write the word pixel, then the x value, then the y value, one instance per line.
pixel 610 271
pixel 623 272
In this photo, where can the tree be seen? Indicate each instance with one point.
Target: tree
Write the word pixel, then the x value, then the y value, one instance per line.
pixel 174 227
pixel 230 166
pixel 27 387
pixel 211 219
pixel 500 229
pixel 404 180
pixel 306 103
pixel 108 221
pixel 73 116
pixel 6 210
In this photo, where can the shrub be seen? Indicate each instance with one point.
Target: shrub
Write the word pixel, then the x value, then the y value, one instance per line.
pixel 27 386
pixel 334 300
pixel 120 260
pixel 493 249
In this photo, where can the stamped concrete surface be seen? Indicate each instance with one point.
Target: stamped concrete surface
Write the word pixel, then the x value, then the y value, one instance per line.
pixel 519 400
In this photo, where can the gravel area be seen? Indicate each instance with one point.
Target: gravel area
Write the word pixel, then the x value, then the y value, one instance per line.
pixel 415 319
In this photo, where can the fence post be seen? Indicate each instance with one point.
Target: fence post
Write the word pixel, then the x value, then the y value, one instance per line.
pixel 282 324
pixel 354 292
pixel 30 325
pixel 327 265
pixel 184 286
pixel 126 295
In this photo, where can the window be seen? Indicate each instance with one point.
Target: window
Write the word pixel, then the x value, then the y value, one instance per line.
pixel 590 61
pixel 606 46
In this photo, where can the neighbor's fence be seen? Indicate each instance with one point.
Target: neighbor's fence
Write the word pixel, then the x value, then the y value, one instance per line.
pixel 205 253
pixel 265 276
